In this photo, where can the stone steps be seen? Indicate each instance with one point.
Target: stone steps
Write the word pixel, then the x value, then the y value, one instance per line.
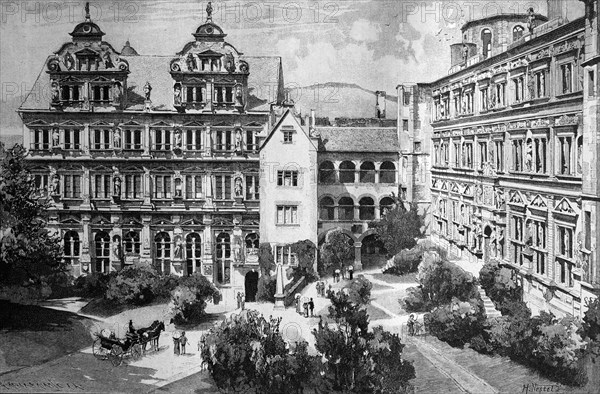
pixel 488 304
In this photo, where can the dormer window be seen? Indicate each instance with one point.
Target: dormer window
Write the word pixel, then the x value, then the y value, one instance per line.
pixel 101 92
pixel 486 41
pixel 518 32
pixel 223 94
pixel 70 93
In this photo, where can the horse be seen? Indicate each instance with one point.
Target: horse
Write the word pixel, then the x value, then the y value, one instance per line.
pixel 152 334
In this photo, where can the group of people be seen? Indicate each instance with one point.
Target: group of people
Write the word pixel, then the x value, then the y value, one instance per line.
pixel 321 288
pixel 241 300
pixel 179 342
pixel 344 273
pixel 306 307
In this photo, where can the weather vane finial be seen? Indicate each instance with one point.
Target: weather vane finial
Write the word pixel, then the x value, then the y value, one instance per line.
pixel 209 11
pixel 87 11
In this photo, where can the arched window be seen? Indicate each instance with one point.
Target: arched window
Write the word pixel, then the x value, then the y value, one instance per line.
pixel 162 245
pixel 223 258
pixel 71 246
pixel 102 249
pixel 132 242
pixel 387 172
pixel 386 204
pixel 517 32
pixel 326 172
pixel 367 172
pixel 486 42
pixel 346 208
pixel 327 208
pixel 366 208
pixel 252 241
pixel 347 169
pixel 193 253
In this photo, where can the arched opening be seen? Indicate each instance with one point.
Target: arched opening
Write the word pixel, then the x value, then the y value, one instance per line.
pixel 162 252
pixel 327 209
pixel 486 42
pixel 347 169
pixel 346 208
pixel 326 172
pixel 102 249
pixel 131 242
pixel 193 253
pixel 517 32
pixel 366 208
pixel 387 172
pixel 71 246
pixel 372 251
pixel 223 258
pixel 251 286
pixel 385 205
pixel 367 172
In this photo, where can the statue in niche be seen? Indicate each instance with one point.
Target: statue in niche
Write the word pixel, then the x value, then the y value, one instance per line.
pixel 69 61
pixel 178 187
pixel 238 189
pixel 117 138
pixel 117 92
pixel 579 158
pixel 55 92
pixel 178 248
pixel 239 96
pixel 54 185
pixel 55 137
pixel 230 63
pixel 529 156
pixel 465 53
pixel 177 138
pixel 209 11
pixel 531 85
pixel 492 99
pixel 117 247
pixel 177 94
pixel 463 215
pixel 238 141
pixel 107 60
pixel 191 62
pixel 147 91
pixel 530 20
pixel 117 186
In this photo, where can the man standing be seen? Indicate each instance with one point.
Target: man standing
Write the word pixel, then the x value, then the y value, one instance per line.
pixel 350 272
pixel 311 306
pixel 239 300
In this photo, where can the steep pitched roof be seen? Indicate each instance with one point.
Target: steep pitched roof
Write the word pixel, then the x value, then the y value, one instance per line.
pixel 265 84
pixel 287 113
pixel 358 139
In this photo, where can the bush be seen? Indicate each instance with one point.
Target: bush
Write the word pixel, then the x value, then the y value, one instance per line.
pixel 590 328
pixel 305 252
pixel 61 284
pixel 266 288
pixel 456 323
pixel 132 285
pixel 360 290
pixel 247 353
pixel 92 285
pixel 415 301
pixel 188 299
pixel 405 262
pixel 164 285
pixel 500 284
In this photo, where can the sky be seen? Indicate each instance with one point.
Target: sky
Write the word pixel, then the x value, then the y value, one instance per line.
pixel 376 44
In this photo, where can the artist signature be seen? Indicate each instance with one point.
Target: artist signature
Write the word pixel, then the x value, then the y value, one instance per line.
pixel 36 386
pixel 540 388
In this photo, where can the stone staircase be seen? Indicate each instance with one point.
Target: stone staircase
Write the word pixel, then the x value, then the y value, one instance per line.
pixel 389 264
pixel 490 308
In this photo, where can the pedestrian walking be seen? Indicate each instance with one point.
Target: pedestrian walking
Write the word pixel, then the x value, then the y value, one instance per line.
pixel 176 348
pixel 298 305
pixel 306 309
pixel 411 325
pixel 183 341
pixel 311 306
pixel 321 323
pixel 351 272
pixel 243 300
pixel 239 300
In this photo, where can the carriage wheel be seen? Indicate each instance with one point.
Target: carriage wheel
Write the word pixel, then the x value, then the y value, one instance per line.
pixel 116 355
pixel 136 351
pixel 99 352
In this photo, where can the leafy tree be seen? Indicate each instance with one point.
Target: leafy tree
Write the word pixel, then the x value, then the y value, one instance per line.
pixel 188 300
pixel 336 251
pixel 266 283
pixel 133 285
pixel 591 327
pixel 399 228
pixel 29 251
pixel 266 261
pixel 305 252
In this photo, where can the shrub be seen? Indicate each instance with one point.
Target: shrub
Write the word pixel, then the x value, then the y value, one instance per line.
pixel 405 262
pixel 360 290
pixel 415 300
pixel 164 285
pixel 590 328
pixel 132 285
pixel 61 284
pixel 305 252
pixel 188 299
pixel 500 284
pixel 456 323
pixel 266 288
pixel 247 353
pixel 92 285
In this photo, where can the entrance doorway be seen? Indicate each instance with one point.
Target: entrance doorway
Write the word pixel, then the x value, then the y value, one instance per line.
pixel 251 286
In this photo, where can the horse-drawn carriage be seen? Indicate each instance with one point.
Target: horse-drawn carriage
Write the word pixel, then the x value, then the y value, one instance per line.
pixel 108 346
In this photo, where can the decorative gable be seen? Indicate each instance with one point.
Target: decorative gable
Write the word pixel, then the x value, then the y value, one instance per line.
pixel 538 202
pixel 516 198
pixel 565 206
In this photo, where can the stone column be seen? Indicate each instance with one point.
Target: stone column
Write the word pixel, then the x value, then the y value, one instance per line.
pixel 146 140
pixel 147 194
pixel 86 140
pixel 207 253
pixel 146 250
pixel 357 256
pixel 86 258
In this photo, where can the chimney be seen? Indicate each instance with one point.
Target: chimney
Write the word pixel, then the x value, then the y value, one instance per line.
pixel 556 9
pixel 380 105
pixel 312 120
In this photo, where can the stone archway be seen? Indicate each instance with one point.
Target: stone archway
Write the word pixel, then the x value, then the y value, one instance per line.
pixel 251 286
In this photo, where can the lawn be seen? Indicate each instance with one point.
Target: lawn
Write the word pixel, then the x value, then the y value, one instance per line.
pixel 378 287
pixel 32 335
pixel 394 279
pixel 389 300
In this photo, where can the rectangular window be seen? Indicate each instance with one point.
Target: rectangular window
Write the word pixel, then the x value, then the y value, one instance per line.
pixel 288 137
pixel 252 187
pixel 72 186
pixel 133 186
pixel 102 186
pixel 287 214
pixel 565 154
pixel 133 140
pixel 101 93
pixel 404 124
pixel 406 98
pixel 565 242
pixel 467 155
pixel 251 143
pixel 70 93
pixel 41 184
pixel 287 178
pixel 517 146
pixel 540 84
pixel 540 153
pixel 456 154
pixel 591 84
pixel 162 186
pixel 223 187
pixel 101 139
pixel 193 140
pixel 41 139
pixel 194 94
pixel 72 139
pixel 162 140
pixel 587 219
pixel 483 154
pixel 519 86
pixel 193 187
pixel 284 255
pixel 566 75
pixel 499 155
pixel 223 141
